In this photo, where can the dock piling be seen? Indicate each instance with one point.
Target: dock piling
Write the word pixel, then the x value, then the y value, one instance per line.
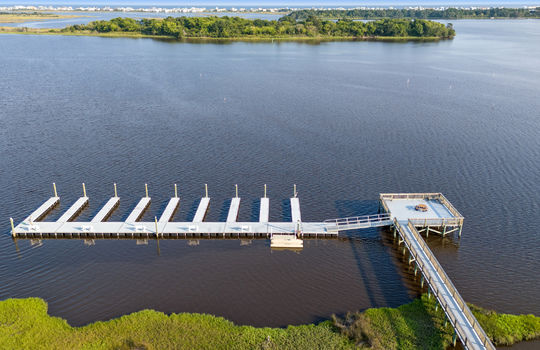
pixel 236 188
pixel 146 189
pixel 294 191
pixel 84 190
pixel 264 190
pixel 115 192
pixel 175 191
pixel 206 190
pixel 157 232
pixel 54 189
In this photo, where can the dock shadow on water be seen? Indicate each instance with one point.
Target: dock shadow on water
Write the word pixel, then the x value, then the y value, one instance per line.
pixel 225 210
pixel 367 246
pixel 286 213
pixel 192 210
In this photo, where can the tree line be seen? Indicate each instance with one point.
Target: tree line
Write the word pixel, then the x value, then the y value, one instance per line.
pixel 236 27
pixel 449 13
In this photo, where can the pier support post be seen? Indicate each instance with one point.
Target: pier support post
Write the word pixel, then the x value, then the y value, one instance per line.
pixel 236 188
pixel 460 228
pixel 115 192
pixel 54 189
pixel 294 191
pixel 395 231
pixel 415 269
pixel 454 339
pixel 83 190
pixel 157 232
pixel 146 189
pixel 427 232
pixel 422 282
pixel 404 249
pixel 264 190
pixel 12 227
pixel 444 231
pixel 429 293
pixel 206 190
pixel 175 191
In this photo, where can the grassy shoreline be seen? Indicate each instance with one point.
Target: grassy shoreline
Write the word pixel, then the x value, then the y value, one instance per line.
pixel 25 324
pixel 53 31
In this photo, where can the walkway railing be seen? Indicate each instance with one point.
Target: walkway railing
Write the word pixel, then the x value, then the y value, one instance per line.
pixel 358 222
pixel 475 329
pixel 436 222
pixel 429 196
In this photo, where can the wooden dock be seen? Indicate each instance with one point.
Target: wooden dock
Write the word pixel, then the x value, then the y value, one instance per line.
pixel 400 212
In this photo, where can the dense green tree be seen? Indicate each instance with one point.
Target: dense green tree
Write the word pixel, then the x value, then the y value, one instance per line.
pixel 234 27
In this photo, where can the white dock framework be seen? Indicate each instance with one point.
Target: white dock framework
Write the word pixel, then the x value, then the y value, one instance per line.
pixel 400 211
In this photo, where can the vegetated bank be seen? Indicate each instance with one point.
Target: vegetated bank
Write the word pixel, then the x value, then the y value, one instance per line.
pixel 24 323
pixel 284 28
pixel 447 13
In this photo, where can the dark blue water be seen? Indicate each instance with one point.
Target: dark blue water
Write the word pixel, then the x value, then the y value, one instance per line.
pixel 344 121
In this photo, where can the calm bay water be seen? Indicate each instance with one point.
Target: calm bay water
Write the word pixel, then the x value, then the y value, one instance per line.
pixel 344 121
pixel 87 17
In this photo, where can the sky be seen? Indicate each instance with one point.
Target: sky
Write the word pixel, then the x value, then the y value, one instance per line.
pixel 315 3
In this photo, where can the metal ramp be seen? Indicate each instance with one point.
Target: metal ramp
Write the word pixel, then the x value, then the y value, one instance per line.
pixel 466 326
pixel 358 222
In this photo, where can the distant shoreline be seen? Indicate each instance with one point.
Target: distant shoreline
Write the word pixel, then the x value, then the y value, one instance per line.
pixel 54 31
pixel 31 16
